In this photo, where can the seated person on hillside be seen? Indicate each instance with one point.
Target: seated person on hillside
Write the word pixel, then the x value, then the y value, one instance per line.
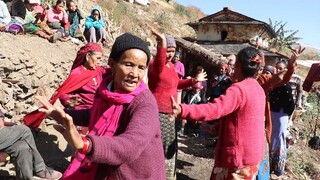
pixel 18 142
pixel 33 25
pixel 17 9
pixel 57 18
pixel 95 27
pixel 74 17
pixel 5 17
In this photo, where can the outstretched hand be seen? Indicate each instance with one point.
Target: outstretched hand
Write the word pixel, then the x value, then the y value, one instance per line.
pixel 176 109
pixel 296 53
pixel 201 76
pixel 160 37
pixel 66 126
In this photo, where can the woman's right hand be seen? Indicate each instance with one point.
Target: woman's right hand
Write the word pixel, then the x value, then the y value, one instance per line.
pixel 66 127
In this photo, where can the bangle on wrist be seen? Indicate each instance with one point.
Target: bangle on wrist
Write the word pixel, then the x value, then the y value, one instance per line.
pixel 85 145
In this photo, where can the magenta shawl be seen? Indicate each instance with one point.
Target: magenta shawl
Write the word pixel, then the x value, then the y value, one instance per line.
pixel 105 115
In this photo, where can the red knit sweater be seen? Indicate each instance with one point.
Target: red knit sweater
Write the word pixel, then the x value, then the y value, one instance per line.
pixel 163 81
pixel 241 133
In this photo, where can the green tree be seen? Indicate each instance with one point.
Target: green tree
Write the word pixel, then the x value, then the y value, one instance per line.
pixel 284 38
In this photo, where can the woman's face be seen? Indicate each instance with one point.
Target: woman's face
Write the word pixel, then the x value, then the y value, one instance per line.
pixel 60 7
pixel 93 60
pixel 129 71
pixel 96 15
pixel 73 6
pixel 280 66
pixel 170 53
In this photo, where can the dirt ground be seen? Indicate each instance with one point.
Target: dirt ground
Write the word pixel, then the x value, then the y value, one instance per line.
pixel 195 156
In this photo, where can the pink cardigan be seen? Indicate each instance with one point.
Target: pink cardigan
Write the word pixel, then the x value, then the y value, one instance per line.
pixel 241 132
pixel 54 15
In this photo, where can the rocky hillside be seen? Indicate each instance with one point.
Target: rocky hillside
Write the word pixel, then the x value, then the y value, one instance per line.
pixel 30 65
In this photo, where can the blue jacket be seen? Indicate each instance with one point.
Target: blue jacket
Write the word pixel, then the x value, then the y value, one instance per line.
pixel 90 22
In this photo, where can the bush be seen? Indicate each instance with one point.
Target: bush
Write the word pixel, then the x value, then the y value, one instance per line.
pixel 163 21
pixel 182 11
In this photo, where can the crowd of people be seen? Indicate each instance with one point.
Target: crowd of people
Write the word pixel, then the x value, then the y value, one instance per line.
pixel 60 21
pixel 122 127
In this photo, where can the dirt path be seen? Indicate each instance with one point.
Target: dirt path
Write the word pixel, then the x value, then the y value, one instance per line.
pixel 195 158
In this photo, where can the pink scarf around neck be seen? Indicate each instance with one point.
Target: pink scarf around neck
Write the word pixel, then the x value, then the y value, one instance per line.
pixel 104 120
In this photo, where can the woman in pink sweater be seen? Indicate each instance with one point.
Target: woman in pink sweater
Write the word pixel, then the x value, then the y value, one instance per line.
pixel 57 18
pixel 241 132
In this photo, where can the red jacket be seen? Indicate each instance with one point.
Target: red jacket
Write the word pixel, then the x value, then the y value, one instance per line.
pixel 241 132
pixel 163 81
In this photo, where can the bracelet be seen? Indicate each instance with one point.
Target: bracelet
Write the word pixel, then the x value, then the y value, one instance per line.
pixel 85 145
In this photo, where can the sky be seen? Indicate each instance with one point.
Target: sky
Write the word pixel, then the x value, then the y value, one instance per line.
pixel 303 16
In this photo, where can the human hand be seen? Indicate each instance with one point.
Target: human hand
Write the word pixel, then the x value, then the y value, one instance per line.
pixel 66 127
pixel 296 53
pixel 160 37
pixel 201 76
pixel 176 109
pixel 74 101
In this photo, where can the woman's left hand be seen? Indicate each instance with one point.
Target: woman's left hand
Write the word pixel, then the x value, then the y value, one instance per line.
pixel 202 76
pixel 66 127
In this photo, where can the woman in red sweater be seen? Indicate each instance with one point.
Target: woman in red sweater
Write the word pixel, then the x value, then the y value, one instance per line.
pixel 241 133
pixel 163 82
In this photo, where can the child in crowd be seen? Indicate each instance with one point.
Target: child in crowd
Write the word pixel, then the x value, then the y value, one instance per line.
pixel 74 17
pixel 95 27
pixel 57 18
pixel 34 25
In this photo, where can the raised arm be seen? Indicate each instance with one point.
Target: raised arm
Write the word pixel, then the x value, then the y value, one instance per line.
pixel 291 66
pixel 161 56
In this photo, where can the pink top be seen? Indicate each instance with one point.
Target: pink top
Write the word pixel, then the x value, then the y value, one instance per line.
pixel 241 132
pixel 86 93
pixel 164 81
pixel 54 15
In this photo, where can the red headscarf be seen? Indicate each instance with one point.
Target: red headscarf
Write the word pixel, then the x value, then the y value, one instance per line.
pixel 81 54
pixel 72 83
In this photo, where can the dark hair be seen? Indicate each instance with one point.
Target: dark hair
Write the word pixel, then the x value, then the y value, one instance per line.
pixel 60 2
pixel 128 41
pixel 283 61
pixel 95 10
pixel 68 4
pixel 249 67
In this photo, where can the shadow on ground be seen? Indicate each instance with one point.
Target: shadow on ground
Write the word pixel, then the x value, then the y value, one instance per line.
pixel 53 148
pixel 197 146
